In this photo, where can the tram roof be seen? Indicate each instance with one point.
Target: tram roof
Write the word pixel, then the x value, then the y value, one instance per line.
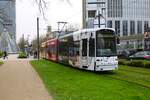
pixel 93 29
pixel 85 30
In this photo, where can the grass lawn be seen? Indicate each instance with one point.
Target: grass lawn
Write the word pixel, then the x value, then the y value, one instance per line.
pixel 66 83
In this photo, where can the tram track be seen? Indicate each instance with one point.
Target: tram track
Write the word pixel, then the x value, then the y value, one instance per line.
pixel 146 86
pixel 136 70
pixel 132 76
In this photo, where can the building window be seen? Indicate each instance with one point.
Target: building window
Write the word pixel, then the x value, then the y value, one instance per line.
pixel 101 3
pixel 132 27
pixel 125 28
pixel 145 26
pixel 109 24
pixel 117 27
pixel 115 8
pixel 139 27
pixel 91 13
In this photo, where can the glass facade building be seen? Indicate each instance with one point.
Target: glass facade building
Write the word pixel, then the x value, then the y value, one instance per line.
pixel 130 18
pixel 1 25
pixel 8 16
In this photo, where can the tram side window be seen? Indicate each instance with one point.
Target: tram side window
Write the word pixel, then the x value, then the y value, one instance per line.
pixel 92 47
pixel 77 46
pixel 48 49
pixel 84 47
pixel 63 47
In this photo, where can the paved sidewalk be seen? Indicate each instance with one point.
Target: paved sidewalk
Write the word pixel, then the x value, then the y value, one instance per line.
pixel 19 81
pixel 14 57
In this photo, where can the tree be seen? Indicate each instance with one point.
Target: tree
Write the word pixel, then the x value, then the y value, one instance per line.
pixel 42 5
pixel 42 39
pixel 22 43
pixel 72 27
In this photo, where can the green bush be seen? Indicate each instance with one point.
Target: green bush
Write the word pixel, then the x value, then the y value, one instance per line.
pixel 128 63
pixel 147 65
pixel 135 63
pixel 1 63
pixel 22 55
pixel 122 62
pixel 1 54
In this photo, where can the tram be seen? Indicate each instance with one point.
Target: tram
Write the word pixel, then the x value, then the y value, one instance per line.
pixel 89 49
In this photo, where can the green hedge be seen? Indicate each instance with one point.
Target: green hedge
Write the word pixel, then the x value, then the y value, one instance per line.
pixel 122 62
pixel 1 63
pixel 147 65
pixel 22 55
pixel 135 63
pixel 1 54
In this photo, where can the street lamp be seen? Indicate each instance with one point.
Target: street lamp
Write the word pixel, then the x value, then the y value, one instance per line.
pixel 38 46
pixel 99 16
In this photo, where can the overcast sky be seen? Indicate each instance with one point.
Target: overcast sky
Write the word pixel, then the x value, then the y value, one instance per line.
pixel 26 14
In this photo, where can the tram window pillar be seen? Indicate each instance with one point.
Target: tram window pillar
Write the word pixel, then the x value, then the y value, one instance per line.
pixel 84 47
pixel 92 47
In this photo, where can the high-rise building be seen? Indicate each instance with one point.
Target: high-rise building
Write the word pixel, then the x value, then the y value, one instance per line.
pixel 8 16
pixel 1 24
pixel 8 26
pixel 130 18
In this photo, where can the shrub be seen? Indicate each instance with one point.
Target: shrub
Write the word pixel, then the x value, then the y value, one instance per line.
pixel 128 63
pixel 22 55
pixel 147 65
pixel 122 62
pixel 135 63
pixel 1 54
pixel 1 63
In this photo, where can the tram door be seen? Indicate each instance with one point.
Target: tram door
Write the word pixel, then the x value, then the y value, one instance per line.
pixel 84 53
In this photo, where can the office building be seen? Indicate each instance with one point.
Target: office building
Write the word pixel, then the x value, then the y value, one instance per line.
pixel 8 16
pixel 130 19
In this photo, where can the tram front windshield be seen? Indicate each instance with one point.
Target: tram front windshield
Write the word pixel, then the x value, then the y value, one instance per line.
pixel 105 43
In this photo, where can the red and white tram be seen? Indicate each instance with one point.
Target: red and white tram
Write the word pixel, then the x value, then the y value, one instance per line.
pixel 89 49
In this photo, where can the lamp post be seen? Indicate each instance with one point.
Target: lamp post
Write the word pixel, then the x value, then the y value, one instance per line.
pixel 99 16
pixel 38 47
pixel 99 19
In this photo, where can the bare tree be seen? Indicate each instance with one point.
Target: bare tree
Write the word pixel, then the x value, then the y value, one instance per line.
pixel 42 5
pixel 72 27
pixel 22 43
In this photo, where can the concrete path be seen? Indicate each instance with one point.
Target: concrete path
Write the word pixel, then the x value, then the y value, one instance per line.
pixel 19 81
pixel 14 57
